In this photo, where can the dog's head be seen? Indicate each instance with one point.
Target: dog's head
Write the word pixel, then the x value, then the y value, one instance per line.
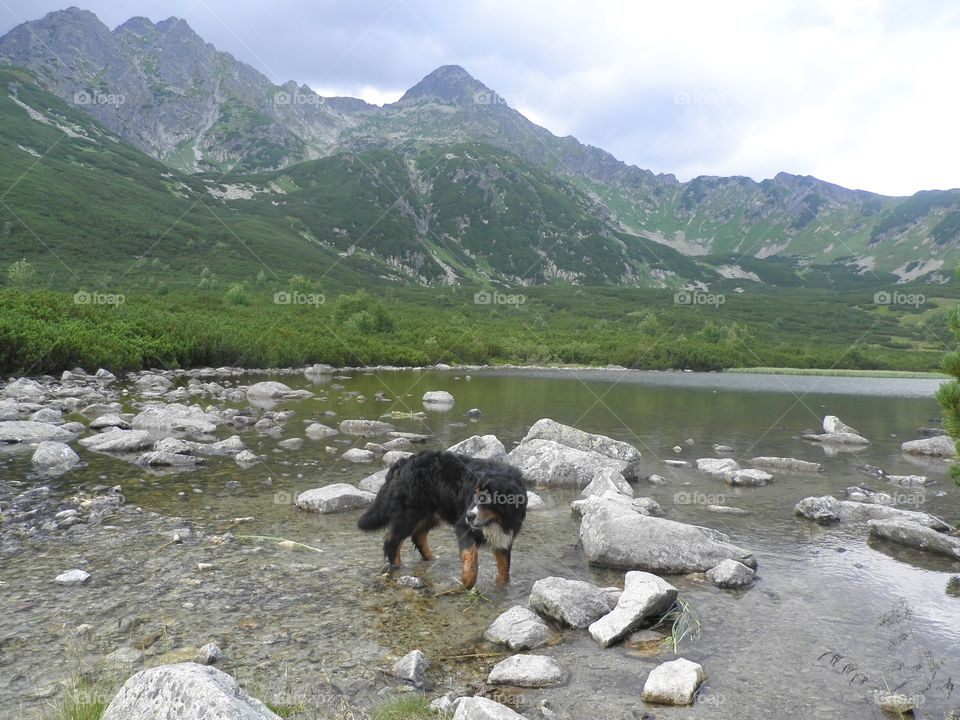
pixel 494 505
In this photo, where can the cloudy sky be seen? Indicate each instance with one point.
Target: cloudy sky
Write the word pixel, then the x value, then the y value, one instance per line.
pixel 860 92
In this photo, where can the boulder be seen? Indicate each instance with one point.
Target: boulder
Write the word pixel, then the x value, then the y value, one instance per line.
pixel 837 438
pixel 365 428
pixel 549 463
pixel 481 708
pixel 393 456
pixel 570 602
pixel 608 479
pixel 785 464
pixel 481 446
pixel 271 390
pixel 673 683
pixel 532 671
pixel 438 397
pixel 109 420
pixel 731 574
pixel 47 415
pixel 334 498
pixel 151 382
pixel 373 483
pixel 833 426
pixel 118 441
pixel 30 433
pixel 319 431
pixel 185 691
pixel 644 596
pixel 748 478
pixel 519 628
pixel 412 667
pixel 24 389
pixel 904 532
pixel 829 509
pixel 547 429
pixel 53 454
pixel 939 446
pixel 358 455
pixel 231 446
pixel 177 418
pixel 633 541
pixel 717 466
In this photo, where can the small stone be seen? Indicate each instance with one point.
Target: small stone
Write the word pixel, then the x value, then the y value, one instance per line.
pixel 209 654
pixel 73 577
pixel 673 683
pixel 531 671
pixel 731 574
pixel 410 581
pixel 412 667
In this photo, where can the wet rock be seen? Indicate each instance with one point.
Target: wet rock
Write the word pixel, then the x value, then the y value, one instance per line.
pixel 549 463
pixel 727 510
pixel 105 376
pixel 24 389
pixel 9 410
pixel 52 454
pixel 658 479
pixel 118 441
pixel 837 438
pixel 95 410
pixel 570 602
pixel 159 458
pixel 676 464
pixel 416 438
pixel 833 426
pixel 828 509
pixel 722 449
pixel 373 483
pixel 605 480
pixel 412 667
pixel 857 493
pixel 717 466
pixel 150 382
pixel 612 538
pixel 673 683
pixel 245 457
pixel 366 428
pixel 319 431
pixel 533 671
pixel 291 443
pixel 337 497
pixel 519 629
pixel 646 506
pixel 73 577
pixel 393 456
pixel 438 397
pixel 908 480
pixel 644 596
pixel 473 413
pixel 398 444
pixel 939 446
pixel 731 574
pixel 911 534
pixel 534 501
pixel 410 581
pixel 109 420
pixel 185 691
pixel 318 369
pixel 209 654
pixel 896 703
pixel 29 432
pixel 748 478
pixel 480 446
pixel 786 464
pixel 176 417
pixel 547 429
pixel 481 708
pixel 358 455
pixel 47 415
pixel 271 390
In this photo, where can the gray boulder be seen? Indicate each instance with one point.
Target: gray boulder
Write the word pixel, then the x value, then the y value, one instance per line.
pixel 438 397
pixel 319 431
pixel 673 683
pixel 549 463
pixel 908 480
pixel 271 390
pixel 412 667
pixel 151 382
pixel 605 480
pixel 731 574
pixel 547 429
pixel 394 456
pixel 904 532
pixel 717 466
pixel 118 441
pixel 159 458
pixel 53 454
pixel 366 428
pixel 176 417
pixel 641 542
pixel 829 509
pixel 837 438
pixel 30 433
pixel 939 446
pixel 359 455
pixel 373 483
pixel 519 629
pixel 72 577
pixel 184 691
pixel 337 497
pixel 481 446
pixel 24 389
pixel 570 602
pixel 786 464
pixel 481 708
pixel 748 478
pixel 833 426
pixel 856 493
pixel 109 420
pixel 644 596
pixel 533 671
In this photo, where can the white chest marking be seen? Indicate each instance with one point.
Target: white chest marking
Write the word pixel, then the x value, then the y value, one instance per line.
pixel 497 538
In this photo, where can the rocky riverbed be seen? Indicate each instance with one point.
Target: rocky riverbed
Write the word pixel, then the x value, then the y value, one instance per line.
pixel 207 517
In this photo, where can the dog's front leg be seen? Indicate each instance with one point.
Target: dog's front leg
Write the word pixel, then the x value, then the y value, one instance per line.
pixel 469 557
pixel 503 565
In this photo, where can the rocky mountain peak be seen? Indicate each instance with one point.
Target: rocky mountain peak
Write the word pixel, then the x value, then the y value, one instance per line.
pixel 449 84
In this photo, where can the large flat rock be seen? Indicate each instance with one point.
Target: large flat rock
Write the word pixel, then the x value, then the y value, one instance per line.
pixel 644 596
pixel 550 463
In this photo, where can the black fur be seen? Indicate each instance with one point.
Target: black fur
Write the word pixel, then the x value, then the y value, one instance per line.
pixel 433 486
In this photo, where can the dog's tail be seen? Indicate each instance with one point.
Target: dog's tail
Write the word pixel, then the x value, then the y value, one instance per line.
pixel 377 515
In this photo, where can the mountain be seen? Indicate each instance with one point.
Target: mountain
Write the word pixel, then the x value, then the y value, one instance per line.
pixel 471 188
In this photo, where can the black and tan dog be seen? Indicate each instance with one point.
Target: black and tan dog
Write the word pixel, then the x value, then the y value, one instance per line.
pixel 484 500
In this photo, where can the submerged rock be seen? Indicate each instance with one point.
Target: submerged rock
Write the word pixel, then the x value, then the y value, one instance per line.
pixel 858 493
pixel 118 441
pixel 319 431
pixel 519 629
pixel 731 574
pixel 613 538
pixel 358 455
pixel 533 671
pixel 177 417
pixel 837 438
pixel 271 390
pixel 337 497
pixel 717 466
pixel 833 426
pixel 939 446
pixel 366 428
pixel 438 397
pixel 748 478
pixel 570 602
pixel 786 464
pixel 904 532
pixel 185 691
pixel 644 596
pixel 829 509
pixel 673 683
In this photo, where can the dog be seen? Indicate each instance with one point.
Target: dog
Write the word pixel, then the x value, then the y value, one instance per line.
pixel 484 500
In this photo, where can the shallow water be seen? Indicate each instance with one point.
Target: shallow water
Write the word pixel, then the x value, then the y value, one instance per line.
pixel 319 627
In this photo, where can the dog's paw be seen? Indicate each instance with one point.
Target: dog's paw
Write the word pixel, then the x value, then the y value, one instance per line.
pixel 389 569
